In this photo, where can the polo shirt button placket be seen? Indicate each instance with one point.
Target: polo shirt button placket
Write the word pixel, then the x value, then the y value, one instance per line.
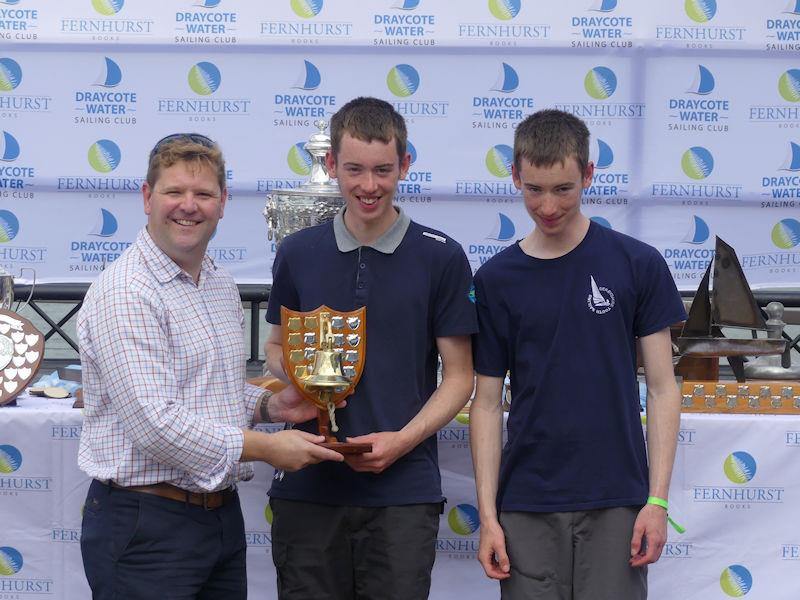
pixel 361 285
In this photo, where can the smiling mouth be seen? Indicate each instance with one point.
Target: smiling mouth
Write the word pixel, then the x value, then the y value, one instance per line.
pixel 367 201
pixel 185 222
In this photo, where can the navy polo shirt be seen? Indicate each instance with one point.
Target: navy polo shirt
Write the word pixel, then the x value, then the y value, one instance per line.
pixel 414 282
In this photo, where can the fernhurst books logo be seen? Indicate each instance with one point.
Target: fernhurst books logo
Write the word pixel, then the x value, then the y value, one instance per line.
pixel 507 80
pixel 503 229
pixel 463 519
pixel 600 83
pixel 703 83
pixel 306 8
pixel 204 78
pixel 108 7
pixel 299 160
pixel 740 467
pixel 10 457
pixel 786 234
pixel 403 80
pixel 309 78
pixel 789 85
pixel 9 228
pixel 104 156
pixel 697 162
pixel 504 10
pixel 736 581
pixel 499 159
pixel 10 74
pixel 698 232
pixel 105 225
pixel 9 147
pixel 10 561
pixel 110 75
pixel 700 11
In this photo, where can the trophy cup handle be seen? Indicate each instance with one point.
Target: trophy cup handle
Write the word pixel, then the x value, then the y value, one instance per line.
pixel 271 215
pixel 33 286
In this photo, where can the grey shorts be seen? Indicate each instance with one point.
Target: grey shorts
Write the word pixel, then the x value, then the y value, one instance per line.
pixel 579 555
pixel 324 552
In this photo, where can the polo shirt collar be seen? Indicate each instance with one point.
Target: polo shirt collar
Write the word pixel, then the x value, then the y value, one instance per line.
pixel 162 266
pixel 386 244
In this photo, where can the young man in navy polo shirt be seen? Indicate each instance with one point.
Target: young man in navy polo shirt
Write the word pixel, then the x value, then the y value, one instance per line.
pixel 368 529
pixel 564 310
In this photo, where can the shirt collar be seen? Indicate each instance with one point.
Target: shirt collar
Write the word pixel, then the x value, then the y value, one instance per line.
pixel 386 244
pixel 163 267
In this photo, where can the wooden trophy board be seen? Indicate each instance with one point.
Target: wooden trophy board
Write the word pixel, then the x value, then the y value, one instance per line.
pixel 752 397
pixel 21 351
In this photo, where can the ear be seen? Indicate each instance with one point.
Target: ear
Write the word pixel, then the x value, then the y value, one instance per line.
pixel 223 200
pixel 515 176
pixel 405 165
pixel 587 176
pixel 330 164
pixel 147 192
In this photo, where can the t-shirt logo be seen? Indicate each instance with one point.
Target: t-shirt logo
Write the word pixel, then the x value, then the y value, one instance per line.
pixel 601 299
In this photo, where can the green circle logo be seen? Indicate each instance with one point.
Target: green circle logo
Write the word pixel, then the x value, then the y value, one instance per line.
pixel 789 85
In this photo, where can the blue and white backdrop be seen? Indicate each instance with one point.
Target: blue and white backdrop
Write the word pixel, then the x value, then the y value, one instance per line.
pixel 694 108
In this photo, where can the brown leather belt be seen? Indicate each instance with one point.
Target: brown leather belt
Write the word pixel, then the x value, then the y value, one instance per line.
pixel 209 501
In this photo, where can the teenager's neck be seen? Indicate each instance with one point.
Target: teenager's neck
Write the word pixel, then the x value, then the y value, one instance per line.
pixel 367 233
pixel 538 245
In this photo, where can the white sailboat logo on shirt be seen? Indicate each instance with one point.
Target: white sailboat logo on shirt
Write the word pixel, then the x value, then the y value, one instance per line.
pixel 601 299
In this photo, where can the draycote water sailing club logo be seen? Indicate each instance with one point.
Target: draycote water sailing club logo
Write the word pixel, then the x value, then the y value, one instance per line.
pixel 600 299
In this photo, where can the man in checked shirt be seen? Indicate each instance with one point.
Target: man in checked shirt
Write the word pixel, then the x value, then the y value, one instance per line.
pixel 165 435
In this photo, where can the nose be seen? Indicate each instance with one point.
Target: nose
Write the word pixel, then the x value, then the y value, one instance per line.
pixel 188 202
pixel 549 206
pixel 369 183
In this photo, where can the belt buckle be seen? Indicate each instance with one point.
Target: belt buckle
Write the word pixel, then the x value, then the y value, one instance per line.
pixel 205 502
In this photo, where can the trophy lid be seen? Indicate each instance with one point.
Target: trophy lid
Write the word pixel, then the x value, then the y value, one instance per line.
pixel 319 183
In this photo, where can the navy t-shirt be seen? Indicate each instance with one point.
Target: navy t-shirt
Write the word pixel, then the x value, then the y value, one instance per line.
pixel 413 295
pixel 566 329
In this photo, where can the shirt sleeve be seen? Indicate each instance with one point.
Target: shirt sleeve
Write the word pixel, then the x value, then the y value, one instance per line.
pixel 455 311
pixel 659 303
pixel 490 344
pixel 129 347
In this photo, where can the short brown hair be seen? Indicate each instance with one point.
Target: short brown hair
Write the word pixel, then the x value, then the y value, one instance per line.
pixel 550 136
pixel 187 147
pixel 368 119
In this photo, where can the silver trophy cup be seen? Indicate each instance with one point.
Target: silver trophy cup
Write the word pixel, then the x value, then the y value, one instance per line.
pixel 311 203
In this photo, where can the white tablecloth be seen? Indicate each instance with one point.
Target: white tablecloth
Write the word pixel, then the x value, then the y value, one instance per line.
pixel 735 488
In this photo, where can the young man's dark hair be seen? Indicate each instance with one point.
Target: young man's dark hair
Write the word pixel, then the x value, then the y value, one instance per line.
pixel 368 119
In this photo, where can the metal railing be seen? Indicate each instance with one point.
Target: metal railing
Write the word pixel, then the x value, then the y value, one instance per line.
pixel 253 295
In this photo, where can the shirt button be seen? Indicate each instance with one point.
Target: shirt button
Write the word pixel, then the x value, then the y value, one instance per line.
pixel 360 284
pixel 362 265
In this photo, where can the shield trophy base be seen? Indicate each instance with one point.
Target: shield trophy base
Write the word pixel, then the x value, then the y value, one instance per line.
pixel 323 421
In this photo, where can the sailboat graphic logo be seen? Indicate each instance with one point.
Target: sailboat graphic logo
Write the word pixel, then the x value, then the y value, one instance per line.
pixel 601 299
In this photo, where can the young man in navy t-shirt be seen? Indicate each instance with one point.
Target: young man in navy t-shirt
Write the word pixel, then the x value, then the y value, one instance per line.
pixel 569 508
pixel 367 529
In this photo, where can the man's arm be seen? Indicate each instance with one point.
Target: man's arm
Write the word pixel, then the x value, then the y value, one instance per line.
pixel 663 422
pixel 486 439
pixel 451 395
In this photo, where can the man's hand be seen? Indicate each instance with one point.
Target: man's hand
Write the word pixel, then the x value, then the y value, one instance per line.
pixel 649 535
pixel 492 551
pixel 289 406
pixel 288 450
pixel 387 447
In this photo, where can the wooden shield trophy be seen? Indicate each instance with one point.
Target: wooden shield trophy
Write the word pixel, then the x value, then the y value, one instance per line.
pixel 21 350
pixel 324 352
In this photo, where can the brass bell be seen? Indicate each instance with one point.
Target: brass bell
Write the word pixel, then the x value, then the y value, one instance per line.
pixel 326 374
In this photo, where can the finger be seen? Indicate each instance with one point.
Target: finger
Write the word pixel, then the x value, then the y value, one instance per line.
pixel 326 454
pixel 501 557
pixel 314 438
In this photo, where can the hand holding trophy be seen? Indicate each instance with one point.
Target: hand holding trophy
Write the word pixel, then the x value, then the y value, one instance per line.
pixel 324 352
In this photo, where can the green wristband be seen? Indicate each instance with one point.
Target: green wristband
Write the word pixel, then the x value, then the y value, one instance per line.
pixel 665 505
